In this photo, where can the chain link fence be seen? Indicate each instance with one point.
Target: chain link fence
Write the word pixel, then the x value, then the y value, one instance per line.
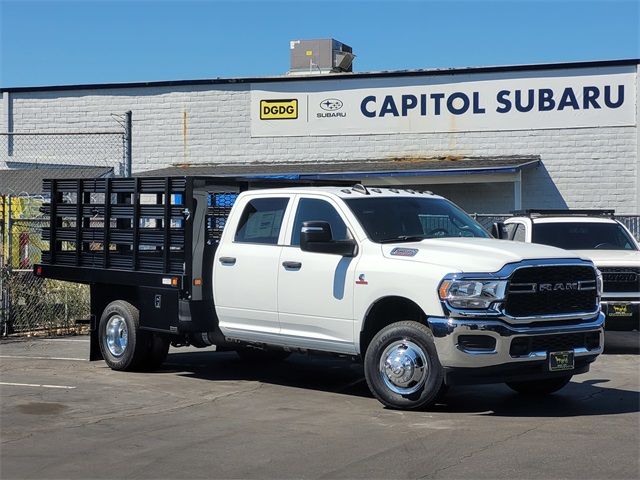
pixel 30 304
pixel 33 304
pixel 71 151
pixel 4 300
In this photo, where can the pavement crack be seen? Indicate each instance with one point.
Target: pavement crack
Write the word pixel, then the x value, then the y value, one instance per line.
pixel 181 406
pixel 591 395
pixel 475 452
pixel 6 442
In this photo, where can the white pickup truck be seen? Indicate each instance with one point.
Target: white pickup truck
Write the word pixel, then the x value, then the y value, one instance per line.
pixel 596 235
pixel 402 280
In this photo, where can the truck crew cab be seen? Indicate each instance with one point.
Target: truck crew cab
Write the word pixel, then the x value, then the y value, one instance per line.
pixel 404 281
pixel 596 235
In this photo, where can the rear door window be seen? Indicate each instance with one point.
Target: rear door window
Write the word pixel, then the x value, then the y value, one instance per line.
pixel 261 221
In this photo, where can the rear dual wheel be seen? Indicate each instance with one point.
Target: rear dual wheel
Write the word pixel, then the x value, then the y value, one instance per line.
pixel 123 345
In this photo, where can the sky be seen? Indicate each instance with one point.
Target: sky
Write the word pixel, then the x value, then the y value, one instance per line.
pixel 78 42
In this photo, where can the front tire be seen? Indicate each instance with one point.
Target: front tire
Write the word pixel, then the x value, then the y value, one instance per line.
pixel 540 387
pixel 401 366
pixel 122 344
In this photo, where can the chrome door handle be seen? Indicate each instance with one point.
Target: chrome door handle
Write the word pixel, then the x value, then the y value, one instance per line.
pixel 292 265
pixel 227 260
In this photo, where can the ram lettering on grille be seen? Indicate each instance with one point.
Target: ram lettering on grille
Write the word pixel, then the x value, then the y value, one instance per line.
pixel 552 290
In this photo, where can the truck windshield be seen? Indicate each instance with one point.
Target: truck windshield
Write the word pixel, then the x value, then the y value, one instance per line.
pixel 583 236
pixel 393 219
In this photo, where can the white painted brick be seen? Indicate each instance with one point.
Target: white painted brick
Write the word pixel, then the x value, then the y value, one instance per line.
pixel 582 167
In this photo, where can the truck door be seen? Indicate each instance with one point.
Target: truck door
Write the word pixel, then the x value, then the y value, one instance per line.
pixel 315 290
pixel 246 270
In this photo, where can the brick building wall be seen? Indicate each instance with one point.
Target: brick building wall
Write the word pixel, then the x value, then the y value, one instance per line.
pixel 581 167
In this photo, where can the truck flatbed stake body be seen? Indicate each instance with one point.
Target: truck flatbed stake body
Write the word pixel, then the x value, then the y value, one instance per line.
pixel 404 281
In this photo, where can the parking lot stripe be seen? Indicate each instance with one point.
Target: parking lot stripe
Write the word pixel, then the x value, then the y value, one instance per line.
pixel 82 340
pixel 44 358
pixel 66 387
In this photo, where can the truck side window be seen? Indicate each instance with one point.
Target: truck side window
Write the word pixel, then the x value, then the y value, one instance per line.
pixel 309 210
pixel 261 221
pixel 518 233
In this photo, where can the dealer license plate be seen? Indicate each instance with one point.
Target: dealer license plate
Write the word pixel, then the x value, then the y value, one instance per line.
pixel 619 310
pixel 561 361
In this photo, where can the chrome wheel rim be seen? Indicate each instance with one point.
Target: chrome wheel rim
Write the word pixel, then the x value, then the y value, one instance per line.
pixel 116 335
pixel 403 367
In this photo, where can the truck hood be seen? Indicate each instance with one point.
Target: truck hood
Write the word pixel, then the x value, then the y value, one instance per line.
pixel 471 254
pixel 607 258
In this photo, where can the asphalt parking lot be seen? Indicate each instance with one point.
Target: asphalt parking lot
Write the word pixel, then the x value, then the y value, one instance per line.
pixel 210 415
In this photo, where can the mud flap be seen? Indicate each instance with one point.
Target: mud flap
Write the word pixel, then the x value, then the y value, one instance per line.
pixel 94 346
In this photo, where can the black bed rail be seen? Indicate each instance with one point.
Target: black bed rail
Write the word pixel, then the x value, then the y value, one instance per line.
pixel 132 230
pixel 135 224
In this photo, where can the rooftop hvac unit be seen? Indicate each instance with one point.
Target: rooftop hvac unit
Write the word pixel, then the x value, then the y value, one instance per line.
pixel 310 57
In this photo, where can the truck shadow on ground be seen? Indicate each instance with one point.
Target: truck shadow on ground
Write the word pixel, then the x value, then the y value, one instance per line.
pixel 622 343
pixel 344 377
pixel 579 398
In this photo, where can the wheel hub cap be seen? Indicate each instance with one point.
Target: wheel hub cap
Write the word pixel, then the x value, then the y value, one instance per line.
pixel 116 335
pixel 403 367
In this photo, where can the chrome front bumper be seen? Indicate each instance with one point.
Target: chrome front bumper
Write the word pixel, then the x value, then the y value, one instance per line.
pixel 447 330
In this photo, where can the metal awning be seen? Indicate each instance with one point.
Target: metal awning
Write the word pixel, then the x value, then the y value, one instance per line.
pixel 399 171
pixel 360 169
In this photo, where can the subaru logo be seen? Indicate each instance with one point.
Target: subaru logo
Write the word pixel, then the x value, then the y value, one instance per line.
pixel 331 104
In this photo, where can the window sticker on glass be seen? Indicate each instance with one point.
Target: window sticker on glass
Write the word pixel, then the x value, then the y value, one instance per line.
pixel 261 221
pixel 263 224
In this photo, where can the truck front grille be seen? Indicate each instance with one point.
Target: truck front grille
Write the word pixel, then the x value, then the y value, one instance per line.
pixel 554 343
pixel 621 279
pixel 551 290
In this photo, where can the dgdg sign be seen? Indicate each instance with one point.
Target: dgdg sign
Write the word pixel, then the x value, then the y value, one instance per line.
pixel 560 98
pixel 278 109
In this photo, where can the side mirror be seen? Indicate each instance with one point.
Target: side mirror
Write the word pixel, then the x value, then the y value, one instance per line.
pixel 317 237
pixel 499 230
pixel 314 232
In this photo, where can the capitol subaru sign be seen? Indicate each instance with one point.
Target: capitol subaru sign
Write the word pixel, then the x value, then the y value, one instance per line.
pixel 524 100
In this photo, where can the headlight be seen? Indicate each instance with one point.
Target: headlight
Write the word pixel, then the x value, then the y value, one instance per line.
pixel 472 293
pixel 599 283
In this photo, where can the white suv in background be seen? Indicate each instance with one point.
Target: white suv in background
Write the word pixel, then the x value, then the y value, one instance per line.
pixel 597 236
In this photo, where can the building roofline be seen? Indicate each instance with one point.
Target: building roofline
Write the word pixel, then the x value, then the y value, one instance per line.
pixel 333 76
pixel 355 169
